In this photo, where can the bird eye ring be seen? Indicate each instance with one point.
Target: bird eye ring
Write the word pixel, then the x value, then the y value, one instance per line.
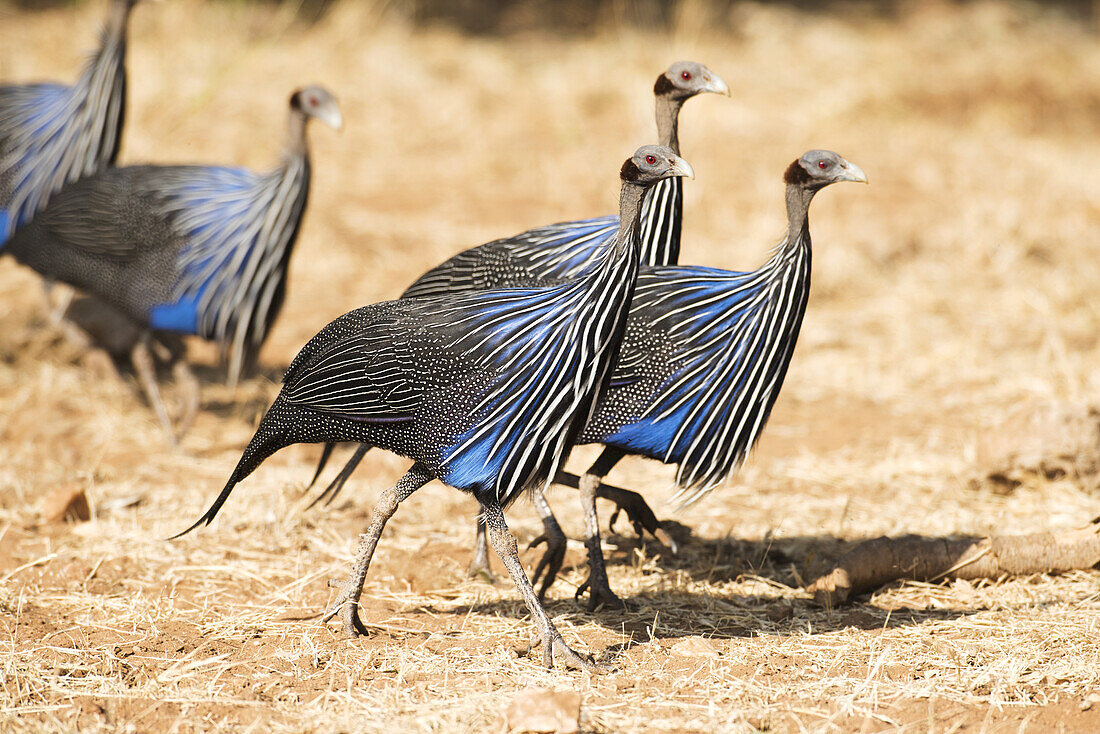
pixel 311 100
pixel 685 75
pixel 822 165
pixel 650 159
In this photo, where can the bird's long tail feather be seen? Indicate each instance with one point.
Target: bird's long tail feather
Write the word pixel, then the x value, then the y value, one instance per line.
pixel 267 440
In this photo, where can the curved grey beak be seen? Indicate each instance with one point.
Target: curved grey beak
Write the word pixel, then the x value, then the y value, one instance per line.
pixel 679 167
pixel 716 85
pixel 852 172
pixel 330 115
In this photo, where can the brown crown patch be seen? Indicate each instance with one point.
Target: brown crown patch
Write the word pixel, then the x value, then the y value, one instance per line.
pixel 796 174
pixel 663 85
pixel 296 101
pixel 629 171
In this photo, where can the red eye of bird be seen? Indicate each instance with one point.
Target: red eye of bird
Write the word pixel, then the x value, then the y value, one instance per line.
pixel 650 159
pixel 822 165
pixel 685 75
pixel 311 101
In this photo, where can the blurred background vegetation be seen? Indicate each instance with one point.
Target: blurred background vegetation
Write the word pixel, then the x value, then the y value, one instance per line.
pixel 581 17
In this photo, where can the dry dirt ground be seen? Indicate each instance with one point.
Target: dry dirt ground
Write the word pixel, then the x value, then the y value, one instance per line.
pixel 953 335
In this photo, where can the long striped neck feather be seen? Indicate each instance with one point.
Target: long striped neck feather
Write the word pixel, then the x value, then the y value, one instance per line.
pixel 101 89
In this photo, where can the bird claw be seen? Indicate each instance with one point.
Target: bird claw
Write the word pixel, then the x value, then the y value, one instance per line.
pixel 479 568
pixel 551 561
pixel 347 606
pixel 555 649
pixel 599 595
pixel 638 513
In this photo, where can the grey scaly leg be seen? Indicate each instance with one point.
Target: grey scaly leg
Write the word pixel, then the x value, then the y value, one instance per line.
pixel 142 359
pixel 599 591
pixel 638 511
pixel 555 540
pixel 347 603
pixel 189 385
pixel 479 565
pixel 553 645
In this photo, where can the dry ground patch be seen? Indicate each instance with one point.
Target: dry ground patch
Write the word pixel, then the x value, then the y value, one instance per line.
pixel 955 292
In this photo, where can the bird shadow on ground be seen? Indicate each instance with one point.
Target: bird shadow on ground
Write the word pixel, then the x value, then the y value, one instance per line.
pixel 675 614
pixel 675 610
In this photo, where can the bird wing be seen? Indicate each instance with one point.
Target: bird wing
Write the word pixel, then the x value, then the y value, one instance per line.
pixel 681 312
pixel 538 256
pixel 122 213
pixel 31 112
pixel 358 367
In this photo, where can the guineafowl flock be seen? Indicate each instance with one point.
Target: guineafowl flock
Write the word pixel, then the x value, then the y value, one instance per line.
pixel 488 369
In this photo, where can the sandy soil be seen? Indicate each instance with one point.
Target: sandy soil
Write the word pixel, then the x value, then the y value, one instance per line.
pixel 952 336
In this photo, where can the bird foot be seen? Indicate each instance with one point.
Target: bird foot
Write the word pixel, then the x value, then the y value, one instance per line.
pixel 554 650
pixel 638 513
pixel 599 595
pixel 347 606
pixel 551 561
pixel 479 569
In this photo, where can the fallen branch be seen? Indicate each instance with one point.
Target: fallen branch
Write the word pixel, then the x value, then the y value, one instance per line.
pixel 878 562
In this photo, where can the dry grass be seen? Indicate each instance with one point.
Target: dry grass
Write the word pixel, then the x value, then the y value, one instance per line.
pixel 957 290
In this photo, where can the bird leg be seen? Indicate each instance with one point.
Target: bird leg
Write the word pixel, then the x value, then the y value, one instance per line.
pixel 347 603
pixel 556 543
pixel 553 645
pixel 189 387
pixel 479 564
pixel 599 590
pixel 337 484
pixel 637 510
pixel 597 586
pixel 142 359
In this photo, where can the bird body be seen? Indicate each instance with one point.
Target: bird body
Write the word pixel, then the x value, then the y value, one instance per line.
pixel 53 134
pixel 487 389
pixel 193 249
pixel 703 359
pixel 198 250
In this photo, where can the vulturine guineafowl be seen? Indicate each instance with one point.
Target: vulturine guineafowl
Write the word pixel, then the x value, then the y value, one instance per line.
pixel 484 390
pixel 702 362
pixel 52 134
pixel 703 359
pixel 197 250
pixel 562 251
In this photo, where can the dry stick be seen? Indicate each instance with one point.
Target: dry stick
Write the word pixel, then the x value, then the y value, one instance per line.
pixel 877 562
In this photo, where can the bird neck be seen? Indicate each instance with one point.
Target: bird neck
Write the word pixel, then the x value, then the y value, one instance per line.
pixel 630 209
pixel 668 116
pixel 296 142
pixel 118 19
pixel 798 208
